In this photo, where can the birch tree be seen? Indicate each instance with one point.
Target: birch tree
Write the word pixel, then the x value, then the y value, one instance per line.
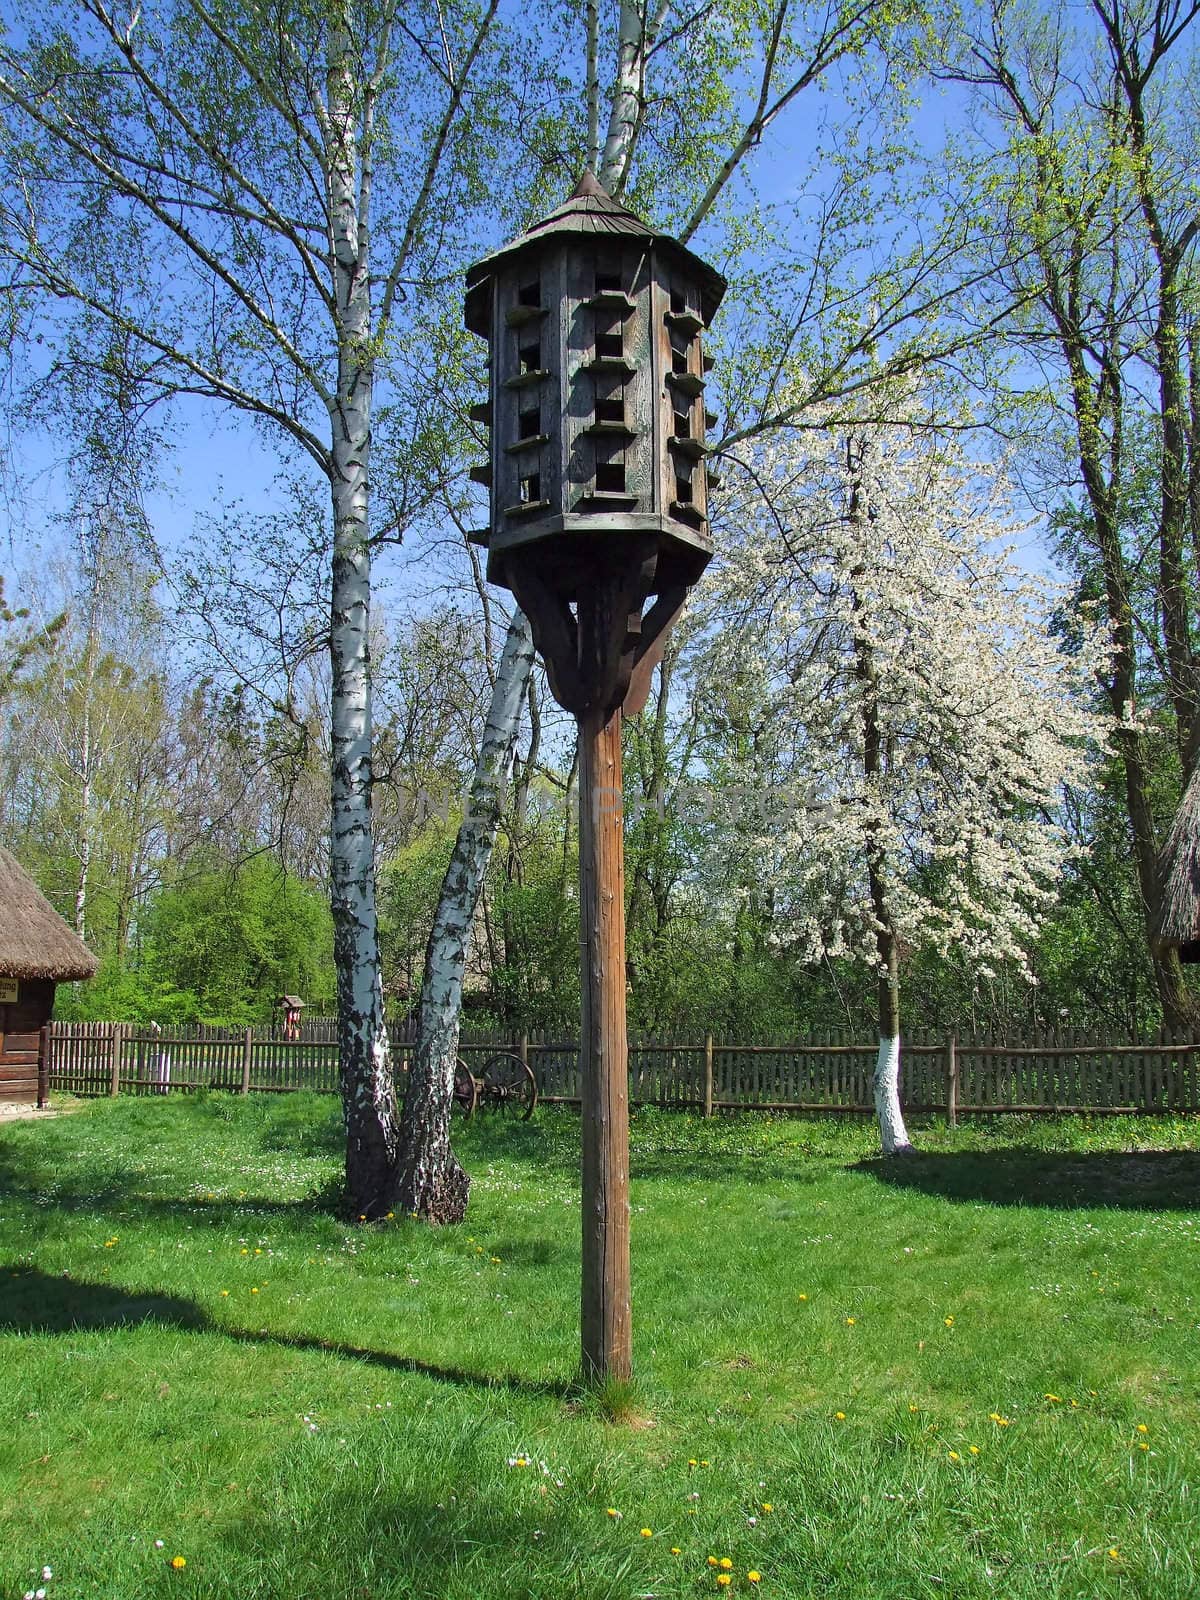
pixel 927 715
pixel 791 51
pixel 251 200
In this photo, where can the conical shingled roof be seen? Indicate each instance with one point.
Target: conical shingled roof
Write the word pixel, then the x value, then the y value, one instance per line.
pixel 35 942
pixel 590 211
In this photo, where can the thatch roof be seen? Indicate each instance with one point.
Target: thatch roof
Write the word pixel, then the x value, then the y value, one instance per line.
pixel 35 942
pixel 1177 922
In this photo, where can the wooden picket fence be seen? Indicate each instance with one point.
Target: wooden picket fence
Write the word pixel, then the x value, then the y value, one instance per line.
pixel 1066 1071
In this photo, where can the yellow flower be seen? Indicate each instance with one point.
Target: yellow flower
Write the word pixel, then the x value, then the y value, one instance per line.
pixel 752 1576
pixel 713 1562
pixel 254 1291
pixel 724 1579
pixel 974 1449
pixel 726 1564
pixel 1142 1428
pixel 801 1297
pixel 1142 1445
pixel 1055 1399
pixel 914 1408
pixel 954 1456
pixel 647 1533
pixel 704 1463
pixel 245 1252
pixel 850 1322
pixel 692 1462
pixel 179 1562
pixel 840 1416
pixel 225 1294
pixel 675 1550
pixel 767 1506
pixel 1114 1554
pixel 949 1321
pixel 613 1512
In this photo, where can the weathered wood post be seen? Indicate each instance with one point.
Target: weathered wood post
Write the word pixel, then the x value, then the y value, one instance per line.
pixel 115 1045
pixel 952 1081
pixel 708 1074
pixel 43 1066
pixel 247 1059
pixel 598 526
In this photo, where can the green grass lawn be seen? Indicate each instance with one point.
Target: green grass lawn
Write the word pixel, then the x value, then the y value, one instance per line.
pixel 973 1373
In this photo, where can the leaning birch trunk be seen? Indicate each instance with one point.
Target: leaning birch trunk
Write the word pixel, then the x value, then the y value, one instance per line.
pixel 432 1185
pixel 368 1094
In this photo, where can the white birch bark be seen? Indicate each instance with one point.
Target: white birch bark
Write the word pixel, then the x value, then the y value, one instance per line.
pixel 432 1184
pixel 368 1094
pixel 893 1135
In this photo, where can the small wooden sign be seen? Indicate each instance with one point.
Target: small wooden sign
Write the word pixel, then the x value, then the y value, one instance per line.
pixel 10 991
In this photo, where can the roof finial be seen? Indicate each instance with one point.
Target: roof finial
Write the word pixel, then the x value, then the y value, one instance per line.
pixel 589 184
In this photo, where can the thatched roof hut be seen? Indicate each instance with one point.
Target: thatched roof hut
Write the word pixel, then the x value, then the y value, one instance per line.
pixel 35 942
pixel 1176 925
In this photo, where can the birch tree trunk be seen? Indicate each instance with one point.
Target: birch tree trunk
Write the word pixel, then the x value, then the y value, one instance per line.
pixel 431 1182
pixel 369 1104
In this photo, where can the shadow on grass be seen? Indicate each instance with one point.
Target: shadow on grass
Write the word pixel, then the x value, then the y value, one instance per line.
pixel 35 1302
pixel 1134 1180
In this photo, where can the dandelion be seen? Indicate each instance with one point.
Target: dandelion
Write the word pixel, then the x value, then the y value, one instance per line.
pixel 801 1297
pixel 1142 1428
pixel 974 1449
pixel 753 1577
pixel 1114 1554
pixel 768 1507
pixel 647 1533
pixel 850 1321
pixel 949 1321
pixel 613 1512
pixel 675 1550
pixel 179 1562
pixel 914 1408
pixel 840 1416
pixel 692 1462
pixel 726 1564
pixel 704 1463
pixel 254 1291
pixel 954 1456
pixel 713 1562
pixel 1054 1399
pixel 1142 1445
pixel 224 1294
pixel 724 1579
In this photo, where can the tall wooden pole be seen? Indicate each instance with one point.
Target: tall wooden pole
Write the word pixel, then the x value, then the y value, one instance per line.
pixel 606 1316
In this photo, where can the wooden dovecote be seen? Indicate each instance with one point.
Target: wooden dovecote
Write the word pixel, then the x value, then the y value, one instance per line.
pixel 597 420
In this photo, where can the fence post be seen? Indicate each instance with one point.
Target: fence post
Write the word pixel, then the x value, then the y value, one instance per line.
pixel 115 1042
pixel 43 1070
pixel 952 1081
pixel 708 1074
pixel 247 1058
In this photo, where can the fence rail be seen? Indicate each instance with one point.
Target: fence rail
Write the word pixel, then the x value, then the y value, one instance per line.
pixel 1061 1072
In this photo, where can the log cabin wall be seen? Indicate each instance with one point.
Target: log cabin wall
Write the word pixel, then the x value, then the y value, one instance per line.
pixel 21 1025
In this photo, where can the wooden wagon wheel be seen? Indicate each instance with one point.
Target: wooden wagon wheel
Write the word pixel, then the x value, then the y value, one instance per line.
pixel 507 1084
pixel 466 1089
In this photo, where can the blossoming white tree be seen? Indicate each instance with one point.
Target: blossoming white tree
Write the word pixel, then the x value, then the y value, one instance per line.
pixel 920 706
